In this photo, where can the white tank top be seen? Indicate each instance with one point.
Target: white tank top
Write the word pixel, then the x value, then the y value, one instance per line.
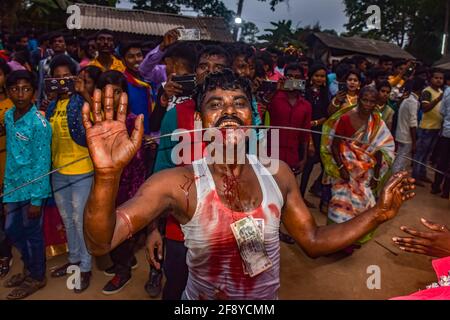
pixel 213 259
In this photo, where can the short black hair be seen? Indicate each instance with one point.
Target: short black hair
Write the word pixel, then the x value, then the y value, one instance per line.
pixel 226 80
pixel 384 84
pixel 342 69
pixel 359 59
pixel 55 35
pixel 112 77
pixel 242 49
pixel 93 72
pixel 266 59
pixel 104 31
pixel 293 66
pixel 215 50
pixel 4 67
pixel 399 63
pixel 15 76
pixel 354 72
pixel 63 60
pixel 126 46
pixel 417 84
pixel 436 70
pixel 185 51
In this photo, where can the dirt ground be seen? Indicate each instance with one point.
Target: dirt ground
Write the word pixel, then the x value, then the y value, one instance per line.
pixel 333 277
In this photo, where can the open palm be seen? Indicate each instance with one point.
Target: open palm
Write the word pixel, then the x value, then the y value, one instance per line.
pixel 110 146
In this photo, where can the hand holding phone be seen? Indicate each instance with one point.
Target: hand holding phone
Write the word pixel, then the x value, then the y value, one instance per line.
pixel 189 34
pixel 186 83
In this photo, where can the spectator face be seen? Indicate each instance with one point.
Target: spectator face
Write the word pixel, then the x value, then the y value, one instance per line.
pixel 383 94
pixel 437 80
pixel 105 43
pixel 319 78
pixel 294 74
pixel 21 94
pixel 244 67
pixel 209 64
pixel 226 108
pixel 58 45
pixel 117 91
pixel 23 42
pixel 92 49
pixel 133 58
pixel 62 72
pixel 381 78
pixel 367 103
pixel 88 82
pixel 363 66
pixel 400 69
pixel 386 66
pixel 353 83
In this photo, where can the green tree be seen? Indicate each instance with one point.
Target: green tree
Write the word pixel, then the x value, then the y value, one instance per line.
pixel 416 25
pixel 249 32
pixel 281 34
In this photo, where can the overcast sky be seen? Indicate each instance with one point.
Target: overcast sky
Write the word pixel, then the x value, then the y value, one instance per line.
pixel 329 13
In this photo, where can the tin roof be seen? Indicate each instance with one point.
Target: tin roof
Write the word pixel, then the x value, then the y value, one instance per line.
pixel 95 17
pixel 363 46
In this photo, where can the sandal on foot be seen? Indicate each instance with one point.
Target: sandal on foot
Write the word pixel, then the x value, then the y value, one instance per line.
pixel 28 287
pixel 15 281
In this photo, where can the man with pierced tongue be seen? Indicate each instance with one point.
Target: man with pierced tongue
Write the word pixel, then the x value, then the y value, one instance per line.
pixel 229 212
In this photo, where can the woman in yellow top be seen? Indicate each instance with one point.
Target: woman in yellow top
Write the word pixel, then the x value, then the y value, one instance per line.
pixel 5 105
pixel 347 96
pixel 72 183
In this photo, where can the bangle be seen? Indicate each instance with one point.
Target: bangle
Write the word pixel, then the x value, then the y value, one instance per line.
pixel 376 179
pixel 335 105
pixel 341 166
pixel 127 221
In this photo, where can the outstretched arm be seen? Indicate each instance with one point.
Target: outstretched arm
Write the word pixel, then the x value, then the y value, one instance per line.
pixel 111 149
pixel 317 241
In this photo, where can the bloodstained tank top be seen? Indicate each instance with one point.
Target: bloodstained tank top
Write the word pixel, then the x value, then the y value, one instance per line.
pixel 213 258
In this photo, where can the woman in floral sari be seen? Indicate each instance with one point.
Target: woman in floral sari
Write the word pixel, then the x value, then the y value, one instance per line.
pixel 358 161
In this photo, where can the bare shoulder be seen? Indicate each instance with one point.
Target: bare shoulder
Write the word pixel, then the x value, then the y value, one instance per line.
pixel 281 172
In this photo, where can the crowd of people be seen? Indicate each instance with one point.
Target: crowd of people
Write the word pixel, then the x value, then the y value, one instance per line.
pixel 374 119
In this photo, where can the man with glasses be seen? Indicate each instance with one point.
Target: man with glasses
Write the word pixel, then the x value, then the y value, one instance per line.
pixel 28 156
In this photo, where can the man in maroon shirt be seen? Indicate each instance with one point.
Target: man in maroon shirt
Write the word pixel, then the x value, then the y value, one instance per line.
pixel 290 109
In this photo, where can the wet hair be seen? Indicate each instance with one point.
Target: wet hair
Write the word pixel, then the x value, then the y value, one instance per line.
pixel 4 67
pixel 184 51
pixel 293 66
pixel 112 77
pixel 226 80
pixel 93 72
pixel 15 76
pixel 214 50
pixel 63 60
pixel 125 47
pixel 384 84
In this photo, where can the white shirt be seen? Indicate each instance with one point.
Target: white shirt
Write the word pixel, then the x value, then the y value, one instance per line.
pixel 407 118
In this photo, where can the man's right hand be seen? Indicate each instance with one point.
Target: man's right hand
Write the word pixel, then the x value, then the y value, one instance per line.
pixel 110 146
pixel 154 241
pixel 169 38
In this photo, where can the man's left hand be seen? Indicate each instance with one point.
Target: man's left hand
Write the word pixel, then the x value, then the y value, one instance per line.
pixel 396 191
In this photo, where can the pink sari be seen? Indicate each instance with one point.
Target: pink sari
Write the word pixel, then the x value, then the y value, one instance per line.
pixel 441 266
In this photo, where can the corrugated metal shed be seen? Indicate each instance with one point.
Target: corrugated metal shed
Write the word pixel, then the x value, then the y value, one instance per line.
pixel 363 46
pixel 95 17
